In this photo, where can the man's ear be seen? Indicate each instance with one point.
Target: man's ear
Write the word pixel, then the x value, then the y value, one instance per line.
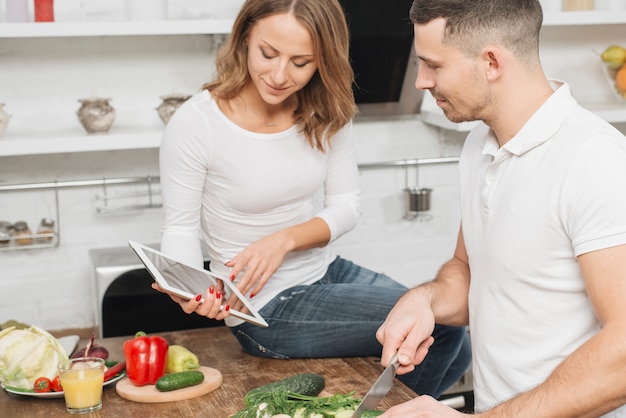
pixel 493 58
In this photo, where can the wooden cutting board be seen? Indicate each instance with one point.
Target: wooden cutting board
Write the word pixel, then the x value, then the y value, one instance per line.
pixel 150 394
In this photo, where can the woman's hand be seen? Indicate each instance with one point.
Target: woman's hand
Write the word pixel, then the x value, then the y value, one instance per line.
pixel 260 260
pixel 257 262
pixel 212 306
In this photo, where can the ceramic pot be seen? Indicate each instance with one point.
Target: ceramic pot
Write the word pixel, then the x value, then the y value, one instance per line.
pixel 569 5
pixel 17 11
pixel 4 119
pixel 44 10
pixel 96 115
pixel 171 103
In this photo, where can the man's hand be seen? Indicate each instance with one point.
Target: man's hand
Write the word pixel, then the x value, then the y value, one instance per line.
pixel 408 330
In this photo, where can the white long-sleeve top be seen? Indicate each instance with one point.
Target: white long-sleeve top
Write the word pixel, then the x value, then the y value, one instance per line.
pixel 230 187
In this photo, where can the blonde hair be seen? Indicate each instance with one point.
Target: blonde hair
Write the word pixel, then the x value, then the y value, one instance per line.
pixel 326 103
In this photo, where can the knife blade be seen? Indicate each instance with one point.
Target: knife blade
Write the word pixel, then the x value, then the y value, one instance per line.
pixel 379 389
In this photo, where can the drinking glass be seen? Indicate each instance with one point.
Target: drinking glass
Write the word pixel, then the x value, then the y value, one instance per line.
pixel 82 380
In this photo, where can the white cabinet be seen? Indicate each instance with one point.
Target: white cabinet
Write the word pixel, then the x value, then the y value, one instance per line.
pixel 47 67
pixel 120 28
pixel 570 46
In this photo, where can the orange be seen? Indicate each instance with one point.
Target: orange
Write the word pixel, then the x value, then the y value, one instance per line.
pixel 620 79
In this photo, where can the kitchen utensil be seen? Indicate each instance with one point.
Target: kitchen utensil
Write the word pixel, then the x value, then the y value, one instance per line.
pixel 150 394
pixel 380 388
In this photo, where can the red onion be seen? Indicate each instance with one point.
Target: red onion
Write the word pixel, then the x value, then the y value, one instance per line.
pixel 92 350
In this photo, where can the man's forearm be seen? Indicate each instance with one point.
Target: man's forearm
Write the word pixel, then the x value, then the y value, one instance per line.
pixel 448 293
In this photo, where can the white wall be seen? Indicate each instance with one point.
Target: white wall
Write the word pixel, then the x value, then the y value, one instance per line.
pixel 54 287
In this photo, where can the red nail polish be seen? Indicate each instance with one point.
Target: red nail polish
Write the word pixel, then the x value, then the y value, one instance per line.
pixel 211 290
pixel 232 277
pixel 218 294
pixel 227 308
pixel 198 298
pixel 251 295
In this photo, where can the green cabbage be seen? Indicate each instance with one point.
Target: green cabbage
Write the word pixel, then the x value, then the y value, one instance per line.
pixel 28 354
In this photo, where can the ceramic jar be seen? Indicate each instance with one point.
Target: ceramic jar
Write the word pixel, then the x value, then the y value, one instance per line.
pixel 44 10
pixel 5 232
pixel 570 5
pixel 46 228
pixel 171 103
pixel 17 11
pixel 96 115
pixel 22 233
pixel 4 119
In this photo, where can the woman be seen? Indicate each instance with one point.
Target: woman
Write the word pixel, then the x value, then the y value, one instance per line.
pixel 242 163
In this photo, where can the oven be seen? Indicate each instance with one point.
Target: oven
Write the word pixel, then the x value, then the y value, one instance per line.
pixel 125 302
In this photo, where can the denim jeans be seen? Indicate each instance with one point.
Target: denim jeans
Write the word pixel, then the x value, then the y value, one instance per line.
pixel 338 316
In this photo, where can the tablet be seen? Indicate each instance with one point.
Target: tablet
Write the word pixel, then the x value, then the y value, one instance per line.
pixel 186 281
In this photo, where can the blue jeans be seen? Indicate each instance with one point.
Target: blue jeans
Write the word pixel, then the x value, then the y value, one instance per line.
pixel 338 316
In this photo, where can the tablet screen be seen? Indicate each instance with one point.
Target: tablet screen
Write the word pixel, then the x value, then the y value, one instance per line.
pixel 187 281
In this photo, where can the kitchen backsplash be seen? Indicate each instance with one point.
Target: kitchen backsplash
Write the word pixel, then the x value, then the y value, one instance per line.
pixel 55 288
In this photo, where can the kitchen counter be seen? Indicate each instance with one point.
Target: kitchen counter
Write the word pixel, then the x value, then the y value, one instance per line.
pixel 216 348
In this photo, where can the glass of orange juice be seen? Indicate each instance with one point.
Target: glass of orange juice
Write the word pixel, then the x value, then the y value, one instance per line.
pixel 82 380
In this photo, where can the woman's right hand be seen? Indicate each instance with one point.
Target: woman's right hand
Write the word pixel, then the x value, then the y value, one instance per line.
pixel 257 263
pixel 211 306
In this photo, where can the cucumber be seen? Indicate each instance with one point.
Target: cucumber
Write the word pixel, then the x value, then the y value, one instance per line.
pixel 310 384
pixel 173 381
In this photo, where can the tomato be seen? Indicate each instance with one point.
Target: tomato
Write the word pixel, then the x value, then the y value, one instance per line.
pixel 56 384
pixel 43 384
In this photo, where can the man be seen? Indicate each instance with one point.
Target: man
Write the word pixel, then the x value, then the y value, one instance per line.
pixel 539 270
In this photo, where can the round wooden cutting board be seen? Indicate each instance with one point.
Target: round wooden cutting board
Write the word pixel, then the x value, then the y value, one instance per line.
pixel 150 394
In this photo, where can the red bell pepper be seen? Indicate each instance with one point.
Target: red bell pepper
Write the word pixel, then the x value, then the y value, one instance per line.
pixel 145 358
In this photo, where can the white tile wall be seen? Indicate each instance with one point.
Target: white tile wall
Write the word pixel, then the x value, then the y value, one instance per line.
pixel 54 287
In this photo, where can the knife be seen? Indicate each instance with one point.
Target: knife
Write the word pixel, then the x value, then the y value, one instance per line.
pixel 380 388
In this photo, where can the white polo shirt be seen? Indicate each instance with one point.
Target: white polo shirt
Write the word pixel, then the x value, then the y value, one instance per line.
pixel 554 191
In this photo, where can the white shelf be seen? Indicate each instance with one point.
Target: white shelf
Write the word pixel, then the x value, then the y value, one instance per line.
pixel 73 143
pixel 120 139
pixel 610 112
pixel 121 28
pixel 593 17
pixel 223 26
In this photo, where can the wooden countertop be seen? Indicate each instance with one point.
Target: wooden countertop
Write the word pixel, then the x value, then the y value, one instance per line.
pixel 216 348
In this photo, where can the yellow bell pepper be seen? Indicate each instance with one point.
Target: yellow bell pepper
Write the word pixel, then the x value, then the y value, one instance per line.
pixel 180 359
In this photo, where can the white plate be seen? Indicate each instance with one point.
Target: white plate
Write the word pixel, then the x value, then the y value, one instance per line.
pixel 25 392
pixel 69 343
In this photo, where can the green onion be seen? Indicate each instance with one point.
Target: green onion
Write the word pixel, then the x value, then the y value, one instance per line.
pixel 282 401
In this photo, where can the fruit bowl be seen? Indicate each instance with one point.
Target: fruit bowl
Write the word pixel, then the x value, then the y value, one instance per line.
pixel 614 68
pixel 610 73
